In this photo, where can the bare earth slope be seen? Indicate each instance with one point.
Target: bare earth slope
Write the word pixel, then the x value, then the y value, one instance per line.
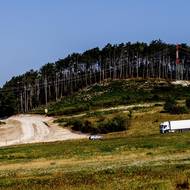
pixel 22 129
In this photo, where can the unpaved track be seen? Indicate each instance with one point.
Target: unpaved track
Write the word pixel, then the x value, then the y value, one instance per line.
pixel 118 108
pixel 23 129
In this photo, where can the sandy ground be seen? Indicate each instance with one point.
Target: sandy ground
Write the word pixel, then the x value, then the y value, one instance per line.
pixel 182 83
pixel 23 129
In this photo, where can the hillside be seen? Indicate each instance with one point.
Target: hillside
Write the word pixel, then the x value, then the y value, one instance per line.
pixel 113 93
pixel 65 77
pixel 116 93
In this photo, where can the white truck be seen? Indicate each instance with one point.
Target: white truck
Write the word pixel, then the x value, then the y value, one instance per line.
pixel 173 126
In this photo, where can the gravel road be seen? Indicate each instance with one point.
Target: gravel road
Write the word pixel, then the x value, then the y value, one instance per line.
pixel 23 129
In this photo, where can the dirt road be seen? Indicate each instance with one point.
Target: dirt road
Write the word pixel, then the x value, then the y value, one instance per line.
pixel 22 129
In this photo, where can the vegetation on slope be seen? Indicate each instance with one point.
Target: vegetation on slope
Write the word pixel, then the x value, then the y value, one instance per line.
pixel 115 93
pixel 172 107
pixel 97 125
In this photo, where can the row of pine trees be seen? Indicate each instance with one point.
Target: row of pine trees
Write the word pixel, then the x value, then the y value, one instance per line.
pixel 56 80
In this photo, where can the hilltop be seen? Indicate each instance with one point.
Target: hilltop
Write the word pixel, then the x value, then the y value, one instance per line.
pixel 78 71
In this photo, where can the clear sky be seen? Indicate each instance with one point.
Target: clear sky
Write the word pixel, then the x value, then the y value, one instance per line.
pixel 35 32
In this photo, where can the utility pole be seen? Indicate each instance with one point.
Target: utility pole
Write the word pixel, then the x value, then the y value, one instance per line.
pixel 21 102
pixel 45 89
pixel 177 54
pixel 25 99
pixel 38 91
pixel 178 76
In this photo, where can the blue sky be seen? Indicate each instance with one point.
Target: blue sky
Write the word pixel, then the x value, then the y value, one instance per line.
pixel 35 32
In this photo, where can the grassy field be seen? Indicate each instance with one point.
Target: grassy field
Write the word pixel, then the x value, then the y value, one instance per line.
pixel 139 158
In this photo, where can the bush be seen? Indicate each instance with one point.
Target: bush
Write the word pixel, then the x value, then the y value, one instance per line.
pixel 102 126
pixel 170 105
pixel 2 123
pixel 84 126
pixel 118 123
pixel 76 123
pixel 179 110
pixel 188 103
pixel 88 127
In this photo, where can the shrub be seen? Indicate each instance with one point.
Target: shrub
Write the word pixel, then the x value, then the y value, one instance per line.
pixel 84 126
pixel 170 105
pixel 155 97
pixel 102 126
pixel 88 127
pixel 76 123
pixel 118 123
pixel 2 123
pixel 188 103
pixel 179 110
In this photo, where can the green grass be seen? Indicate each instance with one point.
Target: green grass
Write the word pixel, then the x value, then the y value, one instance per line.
pixel 139 158
pixel 115 173
pixel 166 177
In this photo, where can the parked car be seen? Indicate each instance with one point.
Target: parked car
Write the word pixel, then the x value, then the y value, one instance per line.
pixel 95 137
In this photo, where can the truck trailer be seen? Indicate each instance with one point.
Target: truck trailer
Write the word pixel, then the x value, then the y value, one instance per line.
pixel 174 126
